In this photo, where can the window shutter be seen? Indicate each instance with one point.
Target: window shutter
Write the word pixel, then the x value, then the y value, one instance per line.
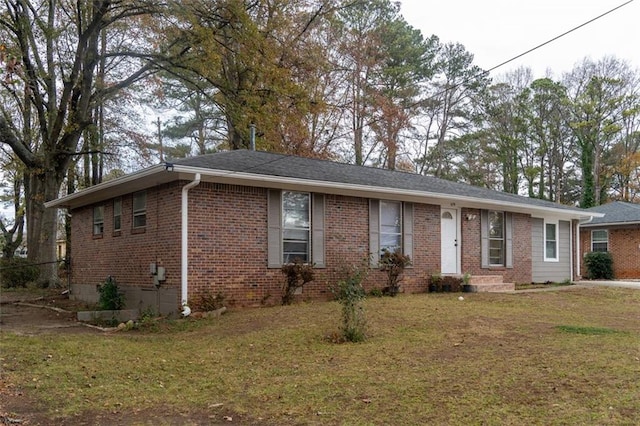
pixel 374 232
pixel 407 230
pixel 484 238
pixel 274 228
pixel 508 239
pixel 317 230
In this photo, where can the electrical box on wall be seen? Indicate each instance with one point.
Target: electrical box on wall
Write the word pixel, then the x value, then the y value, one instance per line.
pixel 158 273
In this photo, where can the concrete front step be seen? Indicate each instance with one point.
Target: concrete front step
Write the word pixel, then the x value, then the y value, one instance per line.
pixel 492 288
pixel 485 279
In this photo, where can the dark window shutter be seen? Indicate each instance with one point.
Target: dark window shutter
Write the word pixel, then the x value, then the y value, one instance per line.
pixel 484 238
pixel 407 230
pixel 374 232
pixel 274 228
pixel 317 230
pixel 508 240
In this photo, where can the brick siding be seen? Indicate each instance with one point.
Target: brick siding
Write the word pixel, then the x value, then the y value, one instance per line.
pixel 624 246
pixel 228 245
pixel 471 243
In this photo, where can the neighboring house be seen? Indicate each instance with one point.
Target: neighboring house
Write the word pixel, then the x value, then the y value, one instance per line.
pixel 618 232
pixel 226 223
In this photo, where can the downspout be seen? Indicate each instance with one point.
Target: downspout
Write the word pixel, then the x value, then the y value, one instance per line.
pixel 579 246
pixel 184 263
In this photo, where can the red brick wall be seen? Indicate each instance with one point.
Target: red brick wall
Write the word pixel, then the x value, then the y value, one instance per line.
pixel 624 245
pixel 127 254
pixel 228 245
pixel 471 242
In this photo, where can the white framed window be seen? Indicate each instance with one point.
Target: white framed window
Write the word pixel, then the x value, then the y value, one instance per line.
pixel 496 234
pixel 98 220
pixel 600 240
pixel 296 226
pixel 140 209
pixel 550 241
pixel 117 214
pixel 390 226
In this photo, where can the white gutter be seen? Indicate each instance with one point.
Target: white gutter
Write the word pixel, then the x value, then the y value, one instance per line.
pixel 579 248
pixel 184 264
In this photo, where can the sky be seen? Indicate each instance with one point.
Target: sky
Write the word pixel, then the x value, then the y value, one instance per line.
pixel 494 31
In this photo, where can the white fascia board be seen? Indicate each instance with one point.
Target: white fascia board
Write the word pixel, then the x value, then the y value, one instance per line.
pixel 601 225
pixel 111 188
pixel 283 182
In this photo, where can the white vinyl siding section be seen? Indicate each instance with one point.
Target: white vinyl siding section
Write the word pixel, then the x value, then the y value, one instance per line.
pixel 543 271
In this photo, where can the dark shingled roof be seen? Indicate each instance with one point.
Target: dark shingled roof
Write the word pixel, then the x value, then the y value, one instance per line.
pixel 272 164
pixel 616 213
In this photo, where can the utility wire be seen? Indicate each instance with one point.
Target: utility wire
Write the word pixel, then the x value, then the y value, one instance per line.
pixel 558 36
pixel 486 72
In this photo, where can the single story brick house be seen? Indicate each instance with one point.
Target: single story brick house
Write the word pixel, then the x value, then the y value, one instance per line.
pixel 618 232
pixel 226 223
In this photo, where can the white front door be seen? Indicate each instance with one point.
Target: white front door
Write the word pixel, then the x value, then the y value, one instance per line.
pixel 449 241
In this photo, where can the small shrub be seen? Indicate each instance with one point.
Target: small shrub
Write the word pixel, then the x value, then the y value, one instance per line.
pixel 17 272
pixel 208 302
pixel 111 299
pixel 466 279
pixel 393 263
pixel 148 320
pixel 435 282
pixel 296 274
pixel 350 294
pixel 376 292
pixel 451 284
pixel 599 265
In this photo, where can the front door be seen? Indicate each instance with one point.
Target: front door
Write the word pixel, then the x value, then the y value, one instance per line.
pixel 449 240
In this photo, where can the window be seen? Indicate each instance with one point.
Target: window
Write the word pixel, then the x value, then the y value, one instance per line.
pixel 600 240
pixel 296 226
pixel 550 241
pixel 117 214
pixel 140 209
pixel 390 226
pixel 496 238
pixel 98 220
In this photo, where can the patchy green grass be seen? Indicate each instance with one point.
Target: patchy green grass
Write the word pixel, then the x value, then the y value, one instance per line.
pixel 586 330
pixel 428 359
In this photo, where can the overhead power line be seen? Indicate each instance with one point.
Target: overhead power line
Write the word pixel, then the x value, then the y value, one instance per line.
pixel 558 36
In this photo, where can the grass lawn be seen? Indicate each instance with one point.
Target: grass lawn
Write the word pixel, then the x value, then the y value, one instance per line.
pixel 547 358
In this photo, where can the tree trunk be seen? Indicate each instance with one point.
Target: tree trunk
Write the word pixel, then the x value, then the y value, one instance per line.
pixel 42 224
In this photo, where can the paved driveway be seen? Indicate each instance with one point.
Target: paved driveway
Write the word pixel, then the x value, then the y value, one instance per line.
pixel 612 283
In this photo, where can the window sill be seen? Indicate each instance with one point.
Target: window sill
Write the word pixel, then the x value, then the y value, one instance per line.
pixel 116 233
pixel 98 236
pixel 138 231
